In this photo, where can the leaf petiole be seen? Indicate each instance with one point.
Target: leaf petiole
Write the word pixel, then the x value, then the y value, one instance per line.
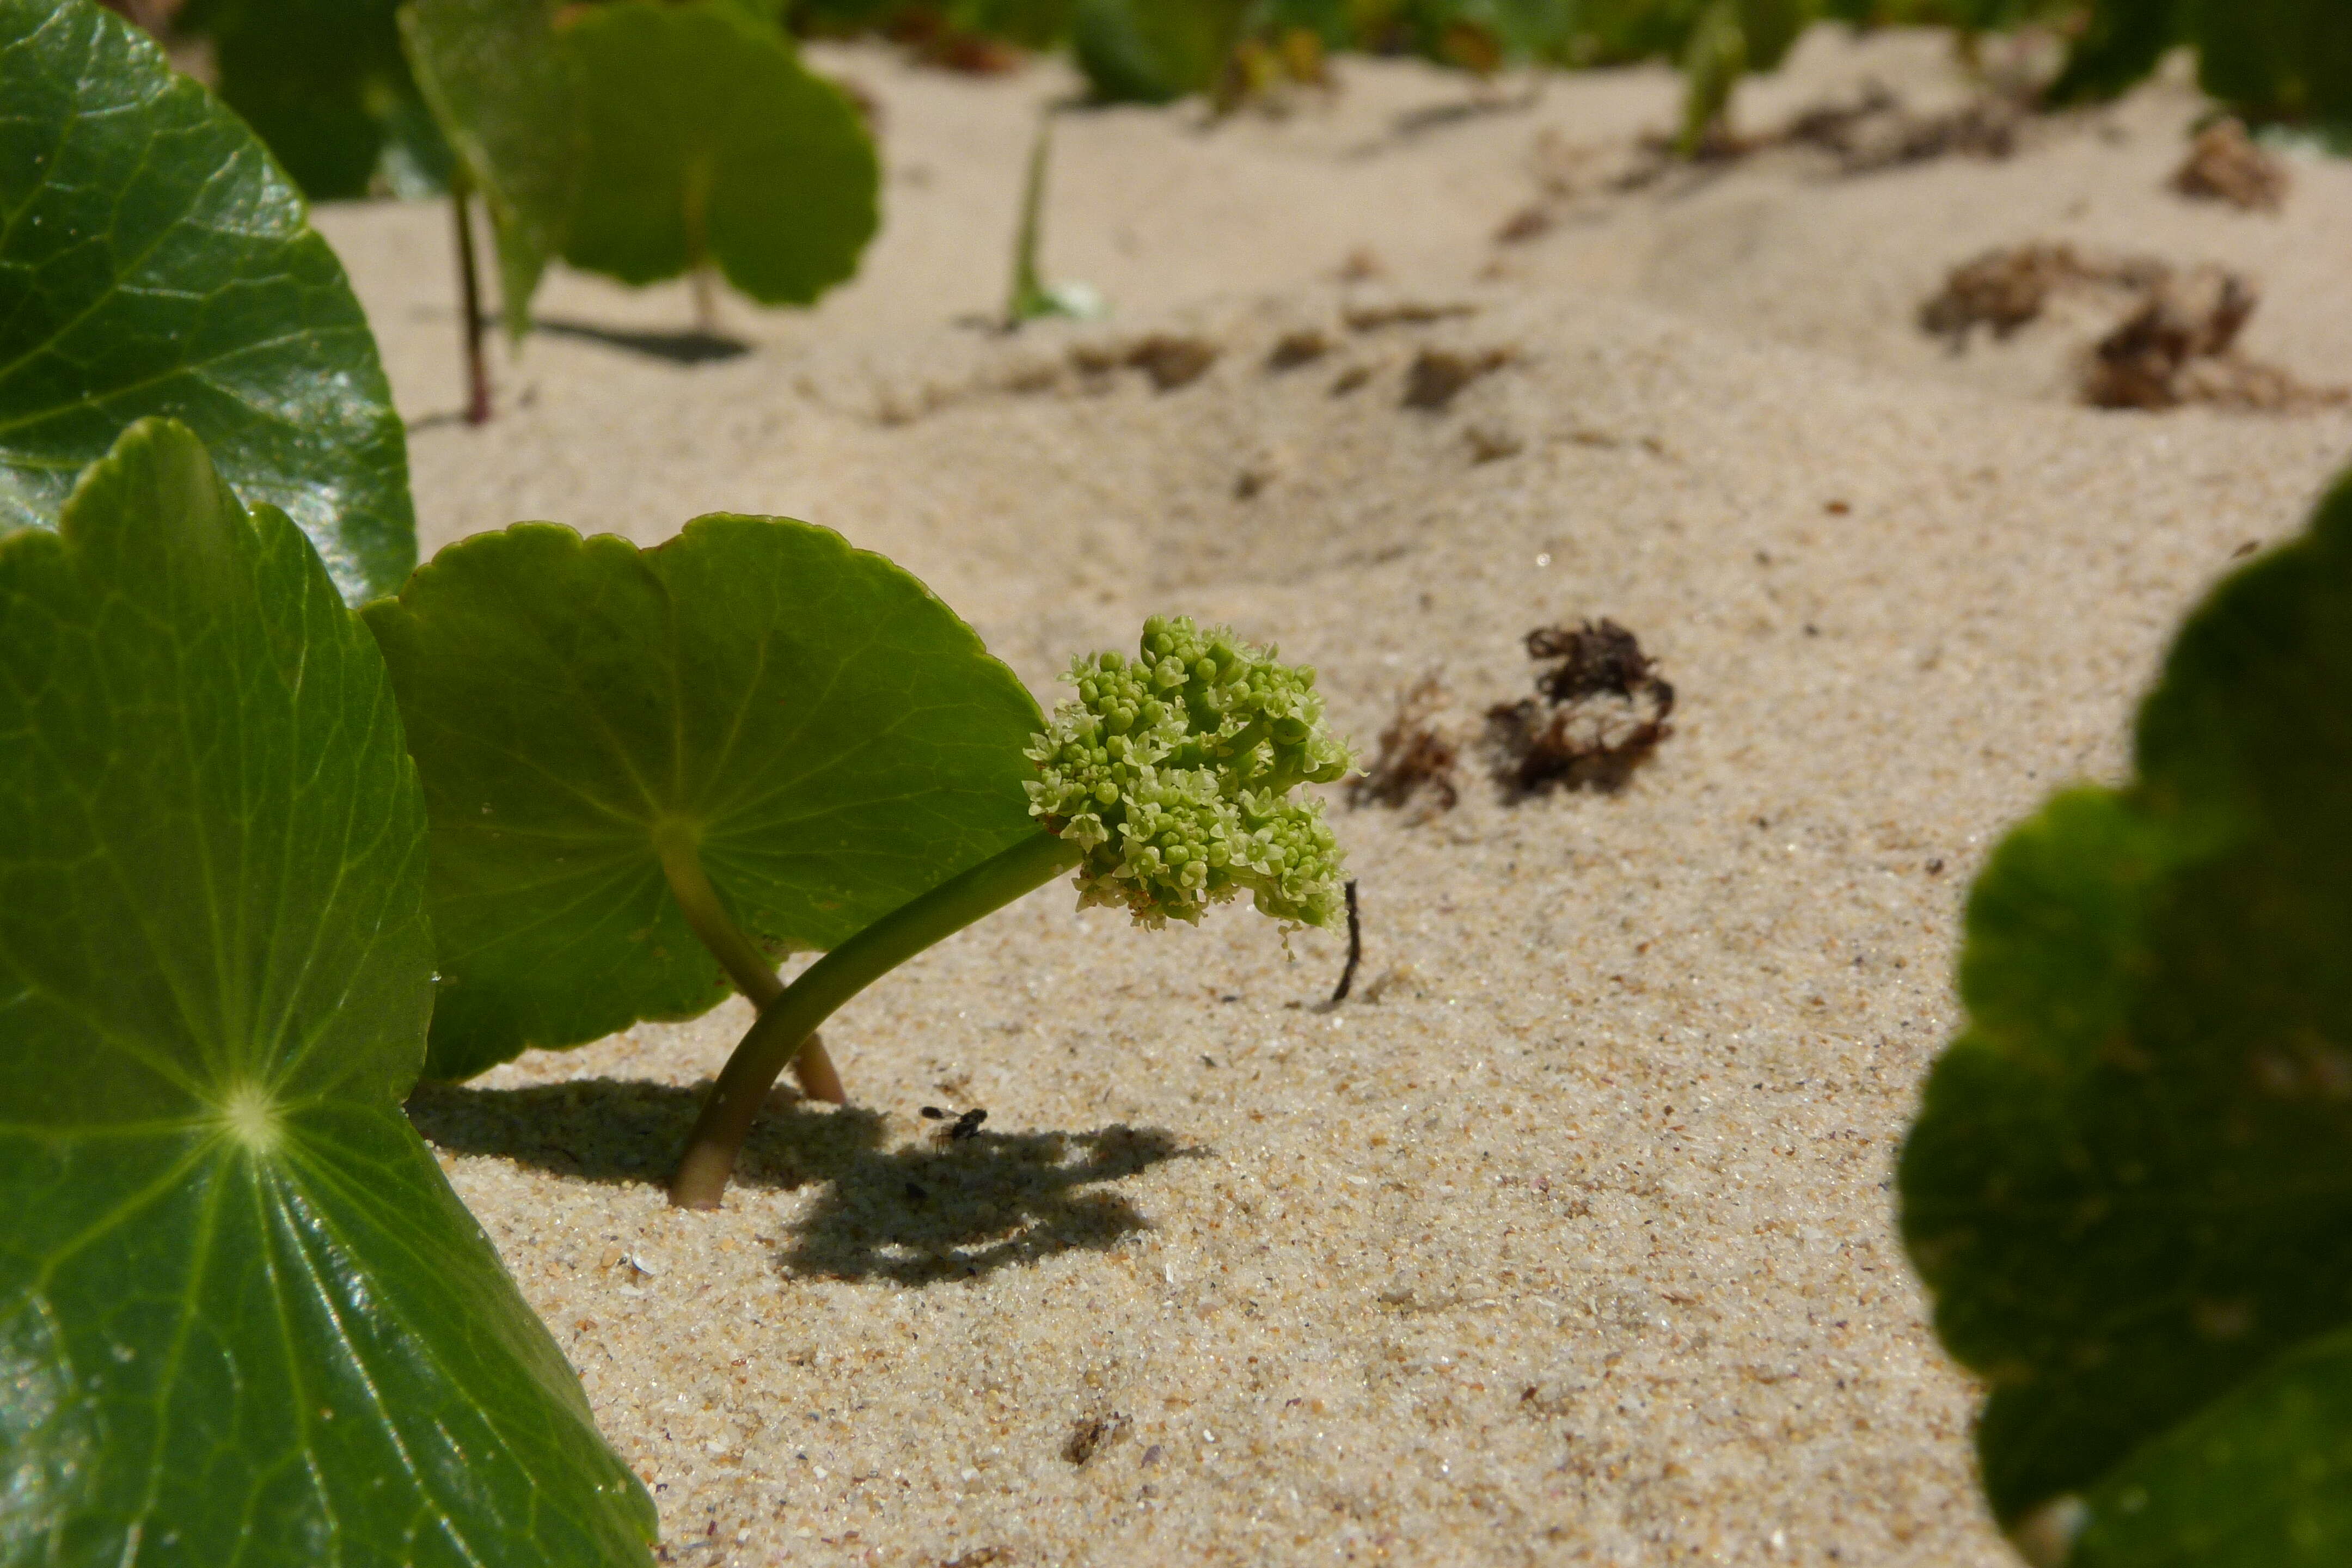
pixel 754 976
pixel 792 1019
pixel 477 370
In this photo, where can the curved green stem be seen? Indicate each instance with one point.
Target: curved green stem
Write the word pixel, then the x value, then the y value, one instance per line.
pixel 751 971
pixel 776 1037
pixel 745 964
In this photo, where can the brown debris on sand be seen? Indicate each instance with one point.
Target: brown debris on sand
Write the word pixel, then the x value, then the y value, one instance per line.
pixel 1304 346
pixel 1168 360
pixel 2224 164
pixel 1402 313
pixel 1528 223
pixel 1604 711
pixel 2174 343
pixel 1172 361
pixel 1437 375
pixel 2005 289
pixel 1415 755
pixel 1093 1435
pixel 1878 131
pixel 2178 347
pixel 2140 364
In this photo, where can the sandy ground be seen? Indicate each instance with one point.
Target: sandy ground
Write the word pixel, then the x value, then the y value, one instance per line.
pixel 1571 1237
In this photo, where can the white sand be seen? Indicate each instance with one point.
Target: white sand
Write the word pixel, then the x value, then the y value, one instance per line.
pixel 1577 1244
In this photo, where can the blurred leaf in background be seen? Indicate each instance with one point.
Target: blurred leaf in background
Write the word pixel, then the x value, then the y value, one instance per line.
pixel 324 83
pixel 1155 51
pixel 507 96
pixel 709 144
pixel 2286 61
pixel 2271 61
pixel 2119 44
pixel 2130 1187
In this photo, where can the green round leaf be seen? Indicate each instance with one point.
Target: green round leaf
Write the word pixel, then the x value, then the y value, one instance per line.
pixel 2264 1475
pixel 155 262
pixel 243 1319
pixel 2276 59
pixel 2118 44
pixel 1154 51
pixel 323 83
pixel 507 97
pixel 831 736
pixel 2130 1188
pixel 708 142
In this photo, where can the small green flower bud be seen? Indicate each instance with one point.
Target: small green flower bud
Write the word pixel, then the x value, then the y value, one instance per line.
pixel 1175 775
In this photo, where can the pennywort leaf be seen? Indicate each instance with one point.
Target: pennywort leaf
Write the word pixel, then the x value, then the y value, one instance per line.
pixel 802 723
pixel 323 83
pixel 2131 1187
pixel 508 98
pixel 2269 60
pixel 709 144
pixel 155 261
pixel 1155 51
pixel 243 1319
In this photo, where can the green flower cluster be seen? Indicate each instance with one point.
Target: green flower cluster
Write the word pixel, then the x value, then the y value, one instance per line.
pixel 1173 770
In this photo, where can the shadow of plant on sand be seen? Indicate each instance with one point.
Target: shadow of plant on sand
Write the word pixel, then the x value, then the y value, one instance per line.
pixel 916 1213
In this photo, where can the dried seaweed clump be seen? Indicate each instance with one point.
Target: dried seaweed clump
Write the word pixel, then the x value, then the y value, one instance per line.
pixel 1416 756
pixel 2005 289
pixel 1876 131
pixel 2174 343
pixel 1880 131
pixel 1603 712
pixel 2224 164
pixel 2139 365
pixel 2178 347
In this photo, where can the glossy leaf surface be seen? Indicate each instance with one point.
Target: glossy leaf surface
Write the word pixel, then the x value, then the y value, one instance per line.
pixel 707 142
pixel 508 98
pixel 243 1319
pixel 2131 1186
pixel 156 262
pixel 829 736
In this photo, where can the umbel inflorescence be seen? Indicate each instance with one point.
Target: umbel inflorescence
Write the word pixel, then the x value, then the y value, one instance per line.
pixel 1172 771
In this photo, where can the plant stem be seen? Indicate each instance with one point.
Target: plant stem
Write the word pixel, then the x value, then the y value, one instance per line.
pixel 698 178
pixel 1355 947
pixel 706 301
pixel 734 1101
pixel 746 966
pixel 1028 299
pixel 477 370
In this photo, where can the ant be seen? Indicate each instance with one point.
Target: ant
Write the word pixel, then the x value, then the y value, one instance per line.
pixel 964 1126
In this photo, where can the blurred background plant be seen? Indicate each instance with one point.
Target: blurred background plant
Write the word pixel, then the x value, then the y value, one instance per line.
pixel 651 139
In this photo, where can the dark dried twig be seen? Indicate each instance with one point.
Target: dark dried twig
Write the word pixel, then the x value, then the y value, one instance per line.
pixel 1355 948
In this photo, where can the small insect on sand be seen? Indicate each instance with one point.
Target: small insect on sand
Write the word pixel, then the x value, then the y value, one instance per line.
pixel 959 1128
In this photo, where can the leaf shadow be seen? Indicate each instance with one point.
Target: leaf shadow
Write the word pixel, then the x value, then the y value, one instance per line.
pixel 678 348
pixel 914 1213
